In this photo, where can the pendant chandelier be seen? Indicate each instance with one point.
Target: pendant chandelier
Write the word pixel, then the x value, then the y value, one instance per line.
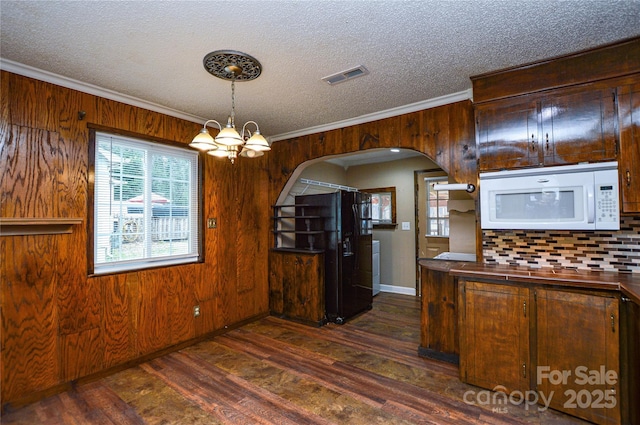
pixel 228 143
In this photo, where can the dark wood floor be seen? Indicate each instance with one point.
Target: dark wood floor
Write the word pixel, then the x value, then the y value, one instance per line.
pixel 278 372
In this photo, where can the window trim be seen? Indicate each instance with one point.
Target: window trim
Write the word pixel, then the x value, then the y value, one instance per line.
pixel 392 191
pixel 430 181
pixel 94 129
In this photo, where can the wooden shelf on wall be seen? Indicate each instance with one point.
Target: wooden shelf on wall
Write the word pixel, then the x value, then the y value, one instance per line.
pixel 36 226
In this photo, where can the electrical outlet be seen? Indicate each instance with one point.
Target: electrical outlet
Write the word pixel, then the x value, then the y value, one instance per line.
pixel 212 223
pixel 196 310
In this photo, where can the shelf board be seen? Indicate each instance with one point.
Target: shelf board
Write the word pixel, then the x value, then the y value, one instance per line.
pixel 37 226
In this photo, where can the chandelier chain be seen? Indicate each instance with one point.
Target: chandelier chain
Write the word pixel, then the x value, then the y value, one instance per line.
pixel 233 102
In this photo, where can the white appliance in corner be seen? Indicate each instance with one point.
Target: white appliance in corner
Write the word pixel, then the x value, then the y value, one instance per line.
pixel 375 266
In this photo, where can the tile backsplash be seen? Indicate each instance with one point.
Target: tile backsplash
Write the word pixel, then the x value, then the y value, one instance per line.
pixel 576 249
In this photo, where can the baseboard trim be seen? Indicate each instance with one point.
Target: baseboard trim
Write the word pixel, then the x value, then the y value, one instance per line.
pixel 8 406
pixel 398 290
pixel 438 355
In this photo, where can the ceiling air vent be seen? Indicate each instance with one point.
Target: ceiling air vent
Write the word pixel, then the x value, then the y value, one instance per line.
pixel 340 77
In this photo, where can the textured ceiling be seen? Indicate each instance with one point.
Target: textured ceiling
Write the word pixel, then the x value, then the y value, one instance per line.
pixel 414 50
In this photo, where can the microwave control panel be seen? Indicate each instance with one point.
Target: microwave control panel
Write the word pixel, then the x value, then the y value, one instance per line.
pixel 607 203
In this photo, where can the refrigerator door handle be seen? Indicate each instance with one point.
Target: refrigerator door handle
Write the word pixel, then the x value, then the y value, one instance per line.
pixel 356 219
pixel 356 233
pixel 357 223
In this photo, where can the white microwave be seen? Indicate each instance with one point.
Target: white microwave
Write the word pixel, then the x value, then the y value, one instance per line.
pixel 571 197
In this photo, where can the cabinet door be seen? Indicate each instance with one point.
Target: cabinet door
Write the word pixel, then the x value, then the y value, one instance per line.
pixel 578 126
pixel 494 336
pixel 279 264
pixel 507 135
pixel 577 353
pixel 629 158
pixel 630 361
pixel 296 286
pixel 303 288
pixel 439 330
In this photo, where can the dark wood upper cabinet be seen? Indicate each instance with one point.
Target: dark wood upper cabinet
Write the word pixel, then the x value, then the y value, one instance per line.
pixel 629 122
pixel 560 111
pixel 507 135
pixel 578 126
pixel 562 127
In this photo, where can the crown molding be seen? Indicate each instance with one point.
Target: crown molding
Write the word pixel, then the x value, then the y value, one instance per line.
pixel 388 113
pixel 49 77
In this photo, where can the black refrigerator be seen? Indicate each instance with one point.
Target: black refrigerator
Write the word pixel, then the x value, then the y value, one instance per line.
pixel 346 221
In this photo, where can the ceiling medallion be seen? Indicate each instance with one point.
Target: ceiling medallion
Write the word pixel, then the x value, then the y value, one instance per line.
pixel 232 65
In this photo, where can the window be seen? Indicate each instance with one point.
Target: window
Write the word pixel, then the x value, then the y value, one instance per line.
pixel 383 207
pixel 437 208
pixel 146 209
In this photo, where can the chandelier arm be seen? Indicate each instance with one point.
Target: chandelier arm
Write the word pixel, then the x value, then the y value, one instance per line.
pixel 214 121
pixel 245 127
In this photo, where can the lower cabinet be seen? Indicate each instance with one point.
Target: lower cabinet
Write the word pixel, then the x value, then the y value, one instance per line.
pixel 578 354
pixel 630 360
pixel 562 346
pixel 296 285
pixel 439 321
pixel 494 336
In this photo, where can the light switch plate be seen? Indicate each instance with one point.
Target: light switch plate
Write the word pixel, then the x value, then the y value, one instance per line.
pixel 406 225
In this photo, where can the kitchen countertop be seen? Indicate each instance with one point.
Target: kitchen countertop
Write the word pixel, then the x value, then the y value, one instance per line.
pixel 627 283
pixel 455 256
pixel 439 265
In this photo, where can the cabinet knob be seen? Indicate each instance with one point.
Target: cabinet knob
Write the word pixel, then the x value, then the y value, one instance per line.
pixel 613 323
pixel 547 145
pixel 533 142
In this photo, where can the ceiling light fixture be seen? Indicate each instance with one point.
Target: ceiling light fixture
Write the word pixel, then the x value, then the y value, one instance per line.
pixel 233 66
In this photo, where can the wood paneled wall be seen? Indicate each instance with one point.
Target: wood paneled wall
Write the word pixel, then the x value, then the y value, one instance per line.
pixel 446 134
pixel 58 323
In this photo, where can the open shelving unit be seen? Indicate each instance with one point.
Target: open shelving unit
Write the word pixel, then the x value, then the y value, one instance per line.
pixel 297 227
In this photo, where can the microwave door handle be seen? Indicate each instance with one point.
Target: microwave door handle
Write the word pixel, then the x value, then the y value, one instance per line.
pixel 591 205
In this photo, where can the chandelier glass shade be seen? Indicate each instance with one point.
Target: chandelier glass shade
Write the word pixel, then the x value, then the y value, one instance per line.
pixel 228 143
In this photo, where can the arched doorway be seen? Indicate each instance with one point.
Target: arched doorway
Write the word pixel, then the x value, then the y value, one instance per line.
pixel 374 168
